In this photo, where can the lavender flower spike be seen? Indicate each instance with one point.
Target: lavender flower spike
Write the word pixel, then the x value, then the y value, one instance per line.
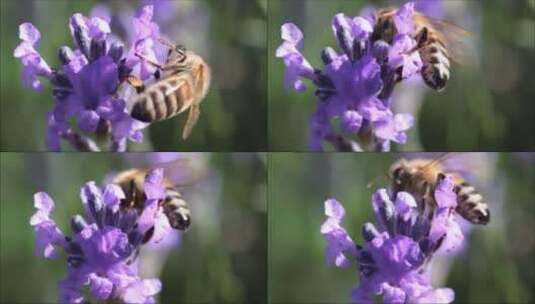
pixel 297 65
pixel 341 247
pixel 87 85
pixel 395 258
pixel 355 83
pixel 102 253
pixel 34 64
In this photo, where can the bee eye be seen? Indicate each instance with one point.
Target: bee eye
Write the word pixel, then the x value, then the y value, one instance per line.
pixel 396 173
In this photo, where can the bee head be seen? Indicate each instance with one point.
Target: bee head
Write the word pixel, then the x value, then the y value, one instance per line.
pixel 180 49
pixel 177 53
pixel 384 28
pixel 399 172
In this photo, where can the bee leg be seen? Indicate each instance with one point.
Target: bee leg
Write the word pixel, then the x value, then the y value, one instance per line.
pixel 426 189
pixel 149 61
pixel 148 235
pixel 427 194
pixel 132 193
pixel 155 64
pixel 421 37
pixel 133 257
pixel 157 74
pixel 398 74
pixel 440 177
pixel 136 83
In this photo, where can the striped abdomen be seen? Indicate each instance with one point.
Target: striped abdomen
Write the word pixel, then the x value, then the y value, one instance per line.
pixel 470 204
pixel 165 98
pixel 436 64
pixel 176 209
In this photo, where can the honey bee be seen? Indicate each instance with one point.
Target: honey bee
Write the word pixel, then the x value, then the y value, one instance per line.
pixel 183 85
pixel 174 206
pixel 438 43
pixel 420 176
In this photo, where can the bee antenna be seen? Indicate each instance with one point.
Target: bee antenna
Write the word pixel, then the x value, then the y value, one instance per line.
pixel 180 49
pixel 166 42
pixel 443 156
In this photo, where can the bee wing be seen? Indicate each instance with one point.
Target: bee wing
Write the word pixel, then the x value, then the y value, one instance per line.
pixel 478 168
pixel 438 158
pixel 459 42
pixel 193 117
pixel 186 170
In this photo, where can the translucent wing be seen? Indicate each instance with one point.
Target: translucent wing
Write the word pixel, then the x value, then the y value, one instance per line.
pixel 478 168
pixel 459 42
pixel 183 169
pixel 441 157
pixel 193 117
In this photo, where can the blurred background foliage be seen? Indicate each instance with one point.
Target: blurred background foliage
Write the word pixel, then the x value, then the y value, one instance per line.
pixel 230 35
pixel 487 108
pixel 221 258
pixel 495 266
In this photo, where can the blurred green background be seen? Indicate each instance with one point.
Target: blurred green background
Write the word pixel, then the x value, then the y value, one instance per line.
pixel 221 258
pixel 489 108
pixel 230 35
pixel 496 265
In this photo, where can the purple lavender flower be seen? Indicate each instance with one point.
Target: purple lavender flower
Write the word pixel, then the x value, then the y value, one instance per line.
pixel 102 253
pixel 355 84
pixel 87 85
pixel 394 260
pixel 33 63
